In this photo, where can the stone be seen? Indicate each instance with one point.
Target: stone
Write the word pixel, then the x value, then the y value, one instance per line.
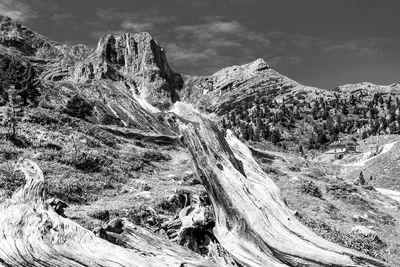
pixel 363 230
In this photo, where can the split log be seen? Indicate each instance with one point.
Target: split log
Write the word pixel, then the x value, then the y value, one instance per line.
pixel 253 223
pixel 33 234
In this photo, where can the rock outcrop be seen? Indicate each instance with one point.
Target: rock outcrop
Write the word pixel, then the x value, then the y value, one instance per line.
pixel 225 89
pixel 137 60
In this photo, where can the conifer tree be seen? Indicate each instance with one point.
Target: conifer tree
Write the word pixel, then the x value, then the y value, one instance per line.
pixel 361 179
pixel 13 112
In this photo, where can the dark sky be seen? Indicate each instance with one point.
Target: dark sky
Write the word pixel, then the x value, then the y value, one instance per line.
pixel 323 43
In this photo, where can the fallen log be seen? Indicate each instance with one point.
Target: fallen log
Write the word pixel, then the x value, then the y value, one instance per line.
pixel 253 223
pixel 33 234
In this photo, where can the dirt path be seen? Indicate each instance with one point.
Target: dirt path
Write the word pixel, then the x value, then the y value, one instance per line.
pixel 390 193
pixel 386 148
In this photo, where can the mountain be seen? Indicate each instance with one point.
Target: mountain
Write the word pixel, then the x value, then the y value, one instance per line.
pixel 103 124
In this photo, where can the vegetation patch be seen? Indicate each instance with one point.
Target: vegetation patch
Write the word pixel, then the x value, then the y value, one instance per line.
pixel 370 245
pixel 310 188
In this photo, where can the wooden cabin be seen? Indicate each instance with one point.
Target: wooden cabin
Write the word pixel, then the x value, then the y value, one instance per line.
pixel 344 146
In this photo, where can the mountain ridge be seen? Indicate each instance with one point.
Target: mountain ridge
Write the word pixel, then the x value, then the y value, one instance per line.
pixel 128 79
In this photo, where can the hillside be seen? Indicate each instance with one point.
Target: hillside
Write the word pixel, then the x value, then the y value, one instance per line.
pixel 105 126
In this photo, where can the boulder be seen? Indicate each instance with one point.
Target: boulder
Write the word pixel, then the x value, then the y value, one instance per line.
pixel 364 231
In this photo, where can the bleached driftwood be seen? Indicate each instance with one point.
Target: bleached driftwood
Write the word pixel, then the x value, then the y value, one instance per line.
pixel 253 223
pixel 33 234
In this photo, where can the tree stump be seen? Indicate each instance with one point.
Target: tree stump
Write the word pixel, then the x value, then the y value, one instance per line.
pixel 253 223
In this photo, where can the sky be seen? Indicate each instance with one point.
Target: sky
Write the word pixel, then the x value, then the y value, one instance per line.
pixel 322 43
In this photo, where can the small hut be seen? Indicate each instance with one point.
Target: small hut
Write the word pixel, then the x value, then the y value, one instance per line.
pixel 344 146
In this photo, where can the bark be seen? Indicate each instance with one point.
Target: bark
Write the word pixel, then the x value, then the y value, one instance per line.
pixel 253 223
pixel 33 234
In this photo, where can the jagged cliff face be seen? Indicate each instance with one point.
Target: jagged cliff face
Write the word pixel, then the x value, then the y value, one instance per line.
pixel 126 77
pixel 138 61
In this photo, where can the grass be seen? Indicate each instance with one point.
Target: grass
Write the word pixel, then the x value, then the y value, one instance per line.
pixel 81 162
pixel 341 207
pixel 370 245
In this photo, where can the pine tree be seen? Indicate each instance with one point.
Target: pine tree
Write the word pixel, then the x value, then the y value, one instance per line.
pixel 301 149
pixel 361 179
pixel 13 112
pixel 78 107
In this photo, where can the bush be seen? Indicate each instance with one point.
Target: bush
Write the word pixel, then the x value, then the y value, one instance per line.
pixel 155 156
pixel 10 181
pixel 78 107
pixel 8 153
pixel 75 190
pixel 108 119
pixel 310 188
pixel 50 118
pixel 90 163
pixel 103 136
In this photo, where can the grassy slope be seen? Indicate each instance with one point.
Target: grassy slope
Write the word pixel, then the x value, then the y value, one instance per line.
pixel 102 176
pixel 95 171
pixel 333 213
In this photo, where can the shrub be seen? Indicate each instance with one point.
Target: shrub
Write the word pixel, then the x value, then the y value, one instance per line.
pixel 310 188
pixel 50 118
pixel 90 163
pixel 154 155
pixel 103 136
pixel 75 190
pixel 108 119
pixel 78 107
pixel 10 181
pixel 8 153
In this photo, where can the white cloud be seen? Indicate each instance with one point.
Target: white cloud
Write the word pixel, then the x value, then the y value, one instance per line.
pixel 17 10
pixel 213 44
pixel 137 26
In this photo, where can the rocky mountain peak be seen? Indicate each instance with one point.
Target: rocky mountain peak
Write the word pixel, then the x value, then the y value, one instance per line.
pixel 136 59
pixel 14 35
pixel 236 73
pixel 134 52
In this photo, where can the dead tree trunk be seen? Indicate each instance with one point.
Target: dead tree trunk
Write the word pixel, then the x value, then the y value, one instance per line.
pixel 33 234
pixel 252 221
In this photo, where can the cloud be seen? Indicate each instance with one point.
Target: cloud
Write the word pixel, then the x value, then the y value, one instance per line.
pixel 370 47
pixel 63 17
pixel 137 26
pixel 214 43
pixel 114 21
pixel 213 3
pixel 17 10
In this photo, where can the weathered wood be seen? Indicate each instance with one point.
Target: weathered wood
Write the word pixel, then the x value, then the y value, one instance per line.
pixel 33 234
pixel 253 223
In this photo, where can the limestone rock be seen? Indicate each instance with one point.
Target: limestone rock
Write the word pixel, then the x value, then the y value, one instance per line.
pixel 136 59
